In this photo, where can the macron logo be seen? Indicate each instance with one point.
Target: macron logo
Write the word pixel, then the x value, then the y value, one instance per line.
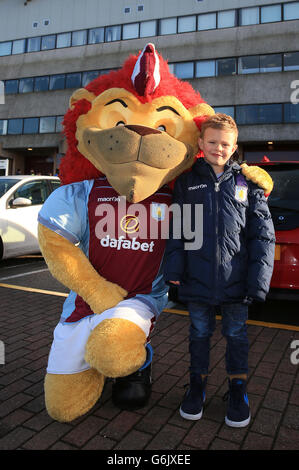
pixel 199 186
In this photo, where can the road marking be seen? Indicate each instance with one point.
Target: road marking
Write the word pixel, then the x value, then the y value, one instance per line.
pixel 23 274
pixel 167 310
pixel 32 289
pixel 249 322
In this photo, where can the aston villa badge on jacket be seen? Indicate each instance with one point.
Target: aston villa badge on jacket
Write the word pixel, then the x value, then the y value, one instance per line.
pixel 241 193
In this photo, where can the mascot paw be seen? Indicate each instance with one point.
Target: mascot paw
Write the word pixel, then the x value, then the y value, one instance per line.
pixel 69 396
pixel 258 176
pixel 107 297
pixel 116 347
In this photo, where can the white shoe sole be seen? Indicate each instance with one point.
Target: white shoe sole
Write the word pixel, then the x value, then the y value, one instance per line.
pixel 191 417
pixel 237 424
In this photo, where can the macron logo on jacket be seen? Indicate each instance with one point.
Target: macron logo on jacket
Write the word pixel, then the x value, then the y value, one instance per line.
pixel 199 186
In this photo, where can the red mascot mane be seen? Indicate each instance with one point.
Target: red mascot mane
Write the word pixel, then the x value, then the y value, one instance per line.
pixel 74 166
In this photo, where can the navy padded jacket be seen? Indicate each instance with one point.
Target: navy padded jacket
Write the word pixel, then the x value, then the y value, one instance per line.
pixel 238 240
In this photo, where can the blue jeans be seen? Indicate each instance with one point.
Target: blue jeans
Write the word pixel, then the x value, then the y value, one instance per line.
pixel 234 328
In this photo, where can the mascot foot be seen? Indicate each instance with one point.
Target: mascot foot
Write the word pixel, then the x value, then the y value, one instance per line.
pixel 69 396
pixel 133 391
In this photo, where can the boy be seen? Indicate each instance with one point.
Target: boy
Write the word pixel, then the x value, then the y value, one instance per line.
pixel 233 266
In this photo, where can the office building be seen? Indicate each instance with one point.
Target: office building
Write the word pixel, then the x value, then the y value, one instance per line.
pixel 242 55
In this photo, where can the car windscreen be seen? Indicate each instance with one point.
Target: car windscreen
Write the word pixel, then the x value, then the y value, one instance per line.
pixel 284 199
pixel 6 184
pixel 285 194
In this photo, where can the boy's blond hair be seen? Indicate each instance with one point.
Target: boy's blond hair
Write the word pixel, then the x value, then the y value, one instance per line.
pixel 220 121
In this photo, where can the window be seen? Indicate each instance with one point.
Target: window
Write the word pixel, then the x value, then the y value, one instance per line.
pixel 127 10
pixel 89 76
pixel 48 42
pixel 96 35
pixel 41 83
pixel 130 31
pixel 73 80
pixel 36 191
pixel 103 72
pixel 270 113
pixel 11 86
pixel 171 68
pixel 205 68
pixel 148 28
pixel 30 126
pixel 250 64
pixel 270 13
pixel 291 112
pixel 226 66
pixel 140 8
pixel 64 40
pixel 57 82
pixel 59 127
pixel 230 110
pixel 15 126
pixel 186 23
pixel 291 11
pixel 3 126
pixel 247 114
pixel 206 21
pixel 19 46
pixel 33 44
pixel 249 16
pixel 168 26
pixel 270 63
pixel 47 124
pixel 55 184
pixel 112 33
pixel 259 114
pixel 5 48
pixel 184 70
pixel 291 61
pixel 26 85
pixel 226 19
pixel 79 38
pixel 46 22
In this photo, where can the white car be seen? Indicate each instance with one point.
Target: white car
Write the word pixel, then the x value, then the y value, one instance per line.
pixel 21 198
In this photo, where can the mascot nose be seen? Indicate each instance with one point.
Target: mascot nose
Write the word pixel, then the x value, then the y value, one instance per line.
pixel 142 130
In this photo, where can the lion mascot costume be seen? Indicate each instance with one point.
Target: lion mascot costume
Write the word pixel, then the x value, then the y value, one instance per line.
pixel 129 134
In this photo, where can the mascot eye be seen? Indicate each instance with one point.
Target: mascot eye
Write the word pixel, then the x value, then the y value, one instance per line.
pixel 161 128
pixel 120 123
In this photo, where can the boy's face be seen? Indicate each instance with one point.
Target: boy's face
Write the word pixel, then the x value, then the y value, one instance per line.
pixel 218 145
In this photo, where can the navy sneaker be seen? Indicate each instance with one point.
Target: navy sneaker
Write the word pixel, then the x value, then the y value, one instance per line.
pixel 238 411
pixel 192 404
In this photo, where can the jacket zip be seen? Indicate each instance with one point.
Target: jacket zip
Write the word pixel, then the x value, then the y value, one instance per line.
pixel 217 254
pixel 217 246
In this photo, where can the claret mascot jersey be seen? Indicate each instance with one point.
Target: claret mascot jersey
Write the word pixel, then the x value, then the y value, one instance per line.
pixel 103 232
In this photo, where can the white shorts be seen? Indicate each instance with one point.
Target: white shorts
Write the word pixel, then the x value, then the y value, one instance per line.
pixel 68 348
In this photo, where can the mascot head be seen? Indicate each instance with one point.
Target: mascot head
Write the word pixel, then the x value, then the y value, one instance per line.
pixel 139 126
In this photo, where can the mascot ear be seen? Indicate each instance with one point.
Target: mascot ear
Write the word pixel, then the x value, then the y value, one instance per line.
pixel 80 94
pixel 202 109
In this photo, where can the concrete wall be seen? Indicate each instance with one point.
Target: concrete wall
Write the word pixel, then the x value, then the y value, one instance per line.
pixel 16 19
